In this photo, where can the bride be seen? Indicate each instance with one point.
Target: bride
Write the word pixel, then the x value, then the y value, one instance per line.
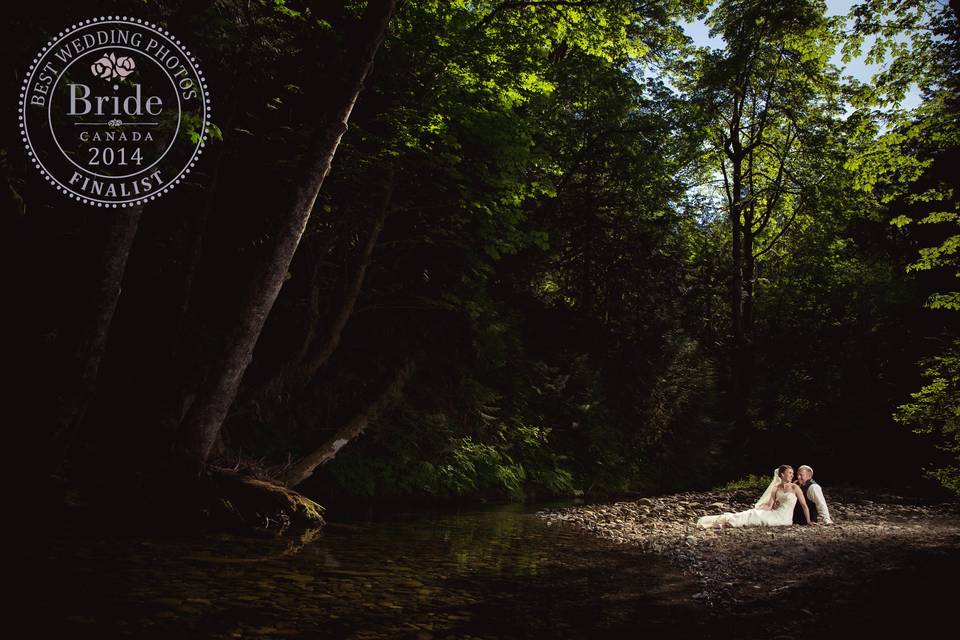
pixel 774 509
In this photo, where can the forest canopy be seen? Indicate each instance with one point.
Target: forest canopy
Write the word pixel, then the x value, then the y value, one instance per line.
pixel 508 249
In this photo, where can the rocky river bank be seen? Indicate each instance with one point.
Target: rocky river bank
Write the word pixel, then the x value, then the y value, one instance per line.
pixel 883 554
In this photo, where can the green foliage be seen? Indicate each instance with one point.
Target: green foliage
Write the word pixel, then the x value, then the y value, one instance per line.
pixel 559 242
pixel 752 483
pixel 949 301
pixel 935 411
pixel 559 237
pixel 907 38
pixel 429 458
pixel 905 166
pixel 528 146
pixel 920 39
pixel 478 467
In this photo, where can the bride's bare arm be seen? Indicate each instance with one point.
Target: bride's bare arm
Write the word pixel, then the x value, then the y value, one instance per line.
pixel 803 502
pixel 770 504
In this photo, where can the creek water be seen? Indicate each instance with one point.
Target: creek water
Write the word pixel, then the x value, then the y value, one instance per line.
pixel 491 572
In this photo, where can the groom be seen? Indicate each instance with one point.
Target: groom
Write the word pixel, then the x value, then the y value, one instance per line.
pixel 814 495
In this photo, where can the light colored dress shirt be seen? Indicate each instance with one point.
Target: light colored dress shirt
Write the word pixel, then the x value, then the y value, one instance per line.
pixel 815 495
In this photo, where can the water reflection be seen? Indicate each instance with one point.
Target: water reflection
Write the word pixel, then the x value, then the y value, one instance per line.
pixel 498 572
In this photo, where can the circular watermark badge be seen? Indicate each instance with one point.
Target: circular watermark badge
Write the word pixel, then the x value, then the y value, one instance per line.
pixel 114 111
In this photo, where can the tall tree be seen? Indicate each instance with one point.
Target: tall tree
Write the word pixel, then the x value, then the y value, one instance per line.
pixel 763 98
pixel 201 424
pixel 78 377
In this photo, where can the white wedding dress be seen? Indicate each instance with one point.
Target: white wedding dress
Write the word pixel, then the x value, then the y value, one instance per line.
pixel 781 516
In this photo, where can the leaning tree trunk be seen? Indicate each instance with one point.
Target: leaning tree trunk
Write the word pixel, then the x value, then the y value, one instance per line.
pixel 200 426
pixel 353 427
pixel 323 333
pixel 319 348
pixel 243 58
pixel 79 382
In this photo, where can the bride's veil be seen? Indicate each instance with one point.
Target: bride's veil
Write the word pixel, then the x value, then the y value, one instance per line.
pixel 765 498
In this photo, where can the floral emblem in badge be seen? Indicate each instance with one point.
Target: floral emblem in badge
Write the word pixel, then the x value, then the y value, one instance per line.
pixel 114 111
